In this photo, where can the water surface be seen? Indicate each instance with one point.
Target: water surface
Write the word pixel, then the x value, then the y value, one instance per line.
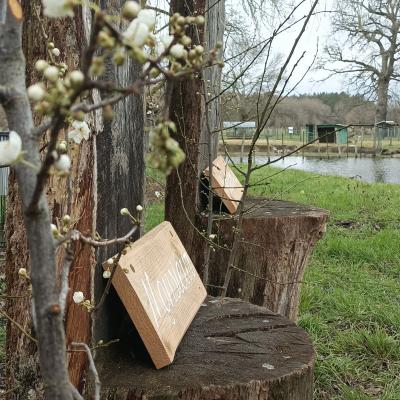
pixel 386 170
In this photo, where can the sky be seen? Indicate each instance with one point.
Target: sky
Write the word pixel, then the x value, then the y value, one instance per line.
pixel 316 35
pixel 312 42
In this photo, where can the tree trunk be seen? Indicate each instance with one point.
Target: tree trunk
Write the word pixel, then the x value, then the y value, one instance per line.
pixel 214 34
pixel 232 350
pixel 381 111
pixel 187 110
pixel 277 238
pixel 120 177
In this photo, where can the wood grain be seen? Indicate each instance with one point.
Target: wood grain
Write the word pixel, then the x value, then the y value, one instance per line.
pixel 161 290
pixel 232 351
pixel 225 184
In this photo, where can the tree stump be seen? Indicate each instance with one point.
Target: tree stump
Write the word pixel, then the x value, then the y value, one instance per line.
pixel 277 239
pixel 232 350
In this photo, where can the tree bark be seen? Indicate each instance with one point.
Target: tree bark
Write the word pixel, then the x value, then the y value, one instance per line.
pixel 120 178
pixel 214 34
pixel 232 350
pixel 187 110
pixel 381 110
pixel 276 240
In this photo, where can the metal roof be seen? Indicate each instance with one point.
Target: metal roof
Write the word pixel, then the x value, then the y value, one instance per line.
pixel 238 124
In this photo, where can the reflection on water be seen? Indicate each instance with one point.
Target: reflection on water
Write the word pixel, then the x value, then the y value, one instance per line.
pixel 386 170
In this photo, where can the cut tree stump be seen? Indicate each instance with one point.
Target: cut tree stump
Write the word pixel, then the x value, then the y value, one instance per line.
pixel 233 350
pixel 277 239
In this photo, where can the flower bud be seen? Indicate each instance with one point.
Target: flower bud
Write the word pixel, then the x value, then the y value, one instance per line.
pixel 36 92
pixel 106 274
pixel 139 208
pixel 125 211
pixel 200 20
pixel 131 9
pixel 110 261
pixel 76 78
pixel 56 52
pixel 22 272
pixel 177 51
pixel 41 65
pixel 51 73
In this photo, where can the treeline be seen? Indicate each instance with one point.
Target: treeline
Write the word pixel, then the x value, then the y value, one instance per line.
pixel 299 110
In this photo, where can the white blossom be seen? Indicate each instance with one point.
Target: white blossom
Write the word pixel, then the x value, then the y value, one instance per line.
pixel 56 52
pixel 81 131
pixel 157 194
pixel 36 92
pixel 137 33
pixel 212 236
pixel 63 164
pixel 139 208
pixel 131 9
pixel 124 211
pixel 51 73
pixel 10 149
pixel 58 8
pixel 106 274
pixel 177 51
pixel 148 17
pixel 110 261
pixel 78 297
pixel 167 40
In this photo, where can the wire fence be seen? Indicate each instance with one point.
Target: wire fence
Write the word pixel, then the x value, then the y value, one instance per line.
pixel 358 139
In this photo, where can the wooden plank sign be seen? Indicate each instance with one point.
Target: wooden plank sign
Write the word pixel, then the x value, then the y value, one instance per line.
pixel 225 184
pixel 161 290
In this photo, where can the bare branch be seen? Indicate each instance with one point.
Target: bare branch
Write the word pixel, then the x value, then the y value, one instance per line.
pixel 92 367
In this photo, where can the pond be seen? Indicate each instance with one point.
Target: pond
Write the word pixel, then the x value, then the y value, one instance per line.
pixel 386 170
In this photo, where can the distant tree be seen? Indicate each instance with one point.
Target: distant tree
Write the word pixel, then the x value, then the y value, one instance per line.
pixel 365 46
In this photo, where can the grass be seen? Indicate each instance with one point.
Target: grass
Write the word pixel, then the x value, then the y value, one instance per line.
pixel 350 304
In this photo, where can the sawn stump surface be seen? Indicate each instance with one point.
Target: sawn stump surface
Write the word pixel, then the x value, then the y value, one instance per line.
pixel 233 350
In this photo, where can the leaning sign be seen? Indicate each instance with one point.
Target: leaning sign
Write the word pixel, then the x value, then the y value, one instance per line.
pixel 225 184
pixel 161 290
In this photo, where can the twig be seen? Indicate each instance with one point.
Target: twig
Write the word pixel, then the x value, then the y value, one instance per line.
pixel 19 326
pixel 76 235
pixel 92 368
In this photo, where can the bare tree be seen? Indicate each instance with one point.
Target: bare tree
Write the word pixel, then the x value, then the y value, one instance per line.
pixel 366 48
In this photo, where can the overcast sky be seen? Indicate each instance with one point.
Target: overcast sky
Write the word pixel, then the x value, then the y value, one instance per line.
pixel 314 39
pixel 317 33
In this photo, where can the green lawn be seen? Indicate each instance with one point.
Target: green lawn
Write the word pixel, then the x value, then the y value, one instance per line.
pixel 351 303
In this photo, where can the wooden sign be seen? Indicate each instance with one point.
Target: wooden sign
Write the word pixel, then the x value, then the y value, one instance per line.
pixel 161 290
pixel 225 184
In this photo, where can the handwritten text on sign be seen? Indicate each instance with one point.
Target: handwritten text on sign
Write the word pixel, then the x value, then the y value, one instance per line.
pixel 161 290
